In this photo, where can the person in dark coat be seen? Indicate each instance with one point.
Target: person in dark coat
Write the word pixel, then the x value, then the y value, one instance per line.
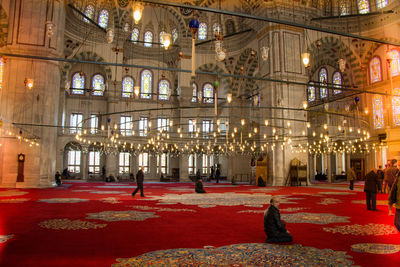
pixel 212 173
pixel 260 182
pixel 274 227
pixel 217 174
pixel 380 178
pixel 198 175
pixel 199 186
pixel 58 178
pixel 371 188
pixel 139 181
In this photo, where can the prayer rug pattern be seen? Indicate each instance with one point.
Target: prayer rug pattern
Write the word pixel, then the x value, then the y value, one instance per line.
pixel 375 248
pixel 66 224
pixel 63 200
pixel 368 229
pixel 242 255
pixel 127 215
pixel 315 218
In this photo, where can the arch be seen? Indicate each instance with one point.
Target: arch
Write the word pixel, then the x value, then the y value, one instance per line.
pixel 89 12
pixel 98 85
pixel 148 39
pixel 323 80
pixel 202 32
pixel 73 157
pixel 146 82
pixel 230 26
pixel 375 69
pixel 161 38
pixel 396 107
pixel 135 35
pixel 216 28
pixel 377 108
pixel 381 3
pixel 337 81
pixel 103 18
pixel 395 64
pixel 208 93
pixel 311 93
pixel 363 6
pixel 163 89
pixel 128 84
pixel 78 83
pixel 211 67
pixel 194 92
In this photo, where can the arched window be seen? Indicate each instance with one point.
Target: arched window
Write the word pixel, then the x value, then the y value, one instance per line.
pixel 162 33
pixel 89 12
pixel 230 26
pixel 395 64
pixel 148 39
pixel 163 90
pixel 127 86
pixel 311 93
pixel 174 35
pixel 194 95
pixel 337 81
pixel 202 33
pixel 375 70
pixel 208 93
pixel 147 84
pixel 135 35
pixel 103 18
pixel 363 6
pixel 98 85
pixel 377 107
pixel 396 107
pixel 78 84
pixel 323 80
pixel 344 8
pixel 216 28
pixel 381 3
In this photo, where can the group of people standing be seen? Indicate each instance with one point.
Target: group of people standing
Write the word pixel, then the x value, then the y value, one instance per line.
pixel 374 184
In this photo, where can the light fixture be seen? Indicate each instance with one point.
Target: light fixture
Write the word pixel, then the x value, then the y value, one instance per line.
pixel 243 122
pixel 255 130
pixel 137 11
pixel 342 64
pixel 29 83
pixel 136 90
pixel 308 125
pixel 229 97
pixel 305 57
pixel 305 104
pixel 166 40
pixel 288 123
pixel 325 126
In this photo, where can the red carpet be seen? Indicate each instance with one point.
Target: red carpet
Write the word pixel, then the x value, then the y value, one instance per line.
pixel 94 224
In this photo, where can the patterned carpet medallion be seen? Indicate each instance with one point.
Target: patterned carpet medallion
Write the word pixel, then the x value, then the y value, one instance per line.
pixel 125 215
pixel 329 201
pixel 375 248
pixel 63 200
pixel 253 254
pixel 367 229
pixel 66 224
pixel 161 209
pixel 5 238
pixel 315 218
pixel 220 199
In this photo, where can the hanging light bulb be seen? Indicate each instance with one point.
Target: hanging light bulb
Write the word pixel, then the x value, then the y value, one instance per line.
pixel 137 12
pixel 305 57
pixel 229 97
pixel 166 40
pixel 243 122
pixel 137 90
pixel 29 83
pixel 305 104
pixel 308 125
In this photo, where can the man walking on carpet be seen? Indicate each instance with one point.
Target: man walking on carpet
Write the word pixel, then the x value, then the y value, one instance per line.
pixel 394 198
pixel 139 181
pixel 351 176
pixel 371 187
pixel 274 227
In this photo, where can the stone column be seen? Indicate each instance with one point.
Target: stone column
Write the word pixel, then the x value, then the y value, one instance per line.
pixel 39 105
pixel 183 168
pixel 111 164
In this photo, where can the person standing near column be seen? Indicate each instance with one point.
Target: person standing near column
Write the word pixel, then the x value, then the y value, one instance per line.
pixel 351 176
pixel 371 188
pixel 139 181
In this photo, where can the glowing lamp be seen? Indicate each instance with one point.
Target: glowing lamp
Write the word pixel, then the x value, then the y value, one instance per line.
pixel 137 90
pixel 305 57
pixel 166 40
pixel 29 83
pixel 229 97
pixel 137 12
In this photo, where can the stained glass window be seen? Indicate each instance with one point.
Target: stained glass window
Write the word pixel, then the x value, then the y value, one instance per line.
pixel 323 79
pixel 375 70
pixel 395 64
pixel 147 84
pixel 1 72
pixel 163 90
pixel 194 95
pixel 311 93
pixel 162 33
pixel 208 93
pixel 127 86
pixel 148 39
pixel 396 107
pixel 202 33
pixel 98 85
pixel 377 106
pixel 381 3
pixel 103 18
pixel 135 35
pixel 216 28
pixel 174 35
pixel 89 12
pixel 337 81
pixel 78 84
pixel 363 6
pixel 344 8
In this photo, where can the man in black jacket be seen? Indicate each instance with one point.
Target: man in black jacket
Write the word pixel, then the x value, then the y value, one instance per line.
pixel 139 181
pixel 371 187
pixel 273 225
pixel 199 186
